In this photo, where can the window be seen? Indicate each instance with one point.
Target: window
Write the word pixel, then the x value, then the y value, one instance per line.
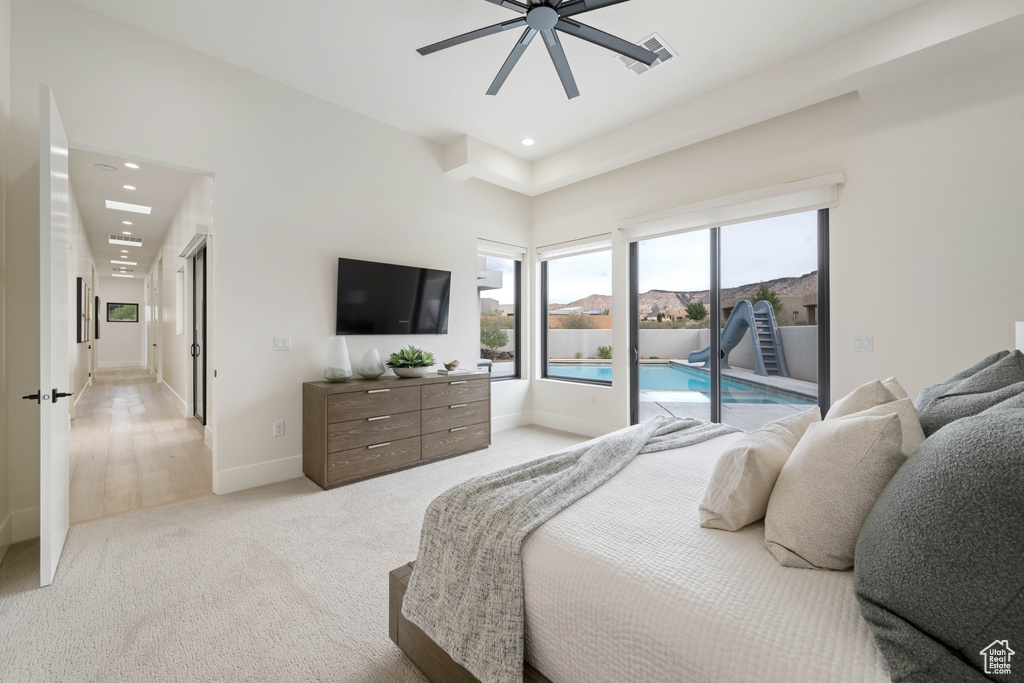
pixel 576 314
pixel 498 288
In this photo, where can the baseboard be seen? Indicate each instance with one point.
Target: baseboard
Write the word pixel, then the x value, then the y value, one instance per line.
pixel 208 436
pixel 179 403
pixel 121 364
pixel 24 524
pixel 5 536
pixel 570 424
pixel 250 476
pixel 82 392
pixel 505 422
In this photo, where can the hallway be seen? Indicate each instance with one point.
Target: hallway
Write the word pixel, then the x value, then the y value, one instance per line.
pixel 131 449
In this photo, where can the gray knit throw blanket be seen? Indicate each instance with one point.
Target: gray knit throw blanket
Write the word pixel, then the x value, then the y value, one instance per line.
pixel 466 591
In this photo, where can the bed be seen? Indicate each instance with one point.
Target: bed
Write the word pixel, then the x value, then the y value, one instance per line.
pixel 625 586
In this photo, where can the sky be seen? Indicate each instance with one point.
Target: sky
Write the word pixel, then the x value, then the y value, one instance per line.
pixel 753 252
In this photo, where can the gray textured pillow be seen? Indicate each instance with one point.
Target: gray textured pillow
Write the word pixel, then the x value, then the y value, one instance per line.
pixel 940 559
pixel 1002 380
pixel 869 395
pixel 827 488
pixel 928 395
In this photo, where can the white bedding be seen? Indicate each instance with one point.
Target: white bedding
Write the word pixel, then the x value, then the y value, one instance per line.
pixel 624 585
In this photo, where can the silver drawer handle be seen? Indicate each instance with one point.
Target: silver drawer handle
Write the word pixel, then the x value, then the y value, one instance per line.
pixel 458 429
pixel 378 445
pixel 382 417
pixel 378 391
pixel 465 381
pixel 458 405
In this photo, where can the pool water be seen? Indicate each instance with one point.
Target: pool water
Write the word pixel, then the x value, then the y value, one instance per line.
pixel 677 378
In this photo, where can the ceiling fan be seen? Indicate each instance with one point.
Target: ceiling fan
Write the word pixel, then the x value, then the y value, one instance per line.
pixel 545 18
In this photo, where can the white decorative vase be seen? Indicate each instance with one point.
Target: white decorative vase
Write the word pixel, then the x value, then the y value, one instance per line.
pixel 413 372
pixel 339 367
pixel 371 367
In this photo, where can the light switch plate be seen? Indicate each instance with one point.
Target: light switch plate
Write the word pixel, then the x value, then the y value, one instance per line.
pixel 282 343
pixel 863 344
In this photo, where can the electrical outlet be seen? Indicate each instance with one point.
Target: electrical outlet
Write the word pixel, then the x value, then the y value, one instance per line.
pixel 282 343
pixel 279 428
pixel 863 344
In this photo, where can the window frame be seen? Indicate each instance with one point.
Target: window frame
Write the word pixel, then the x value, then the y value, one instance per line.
pixel 544 315
pixel 517 331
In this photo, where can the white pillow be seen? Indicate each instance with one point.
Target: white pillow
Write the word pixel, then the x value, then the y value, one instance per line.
pixel 869 395
pixel 893 385
pixel 738 492
pixel 910 423
pixel 827 488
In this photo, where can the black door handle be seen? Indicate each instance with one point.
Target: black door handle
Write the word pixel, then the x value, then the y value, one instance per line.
pixel 56 394
pixel 34 397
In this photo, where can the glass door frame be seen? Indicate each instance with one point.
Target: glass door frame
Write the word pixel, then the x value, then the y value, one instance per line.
pixel 199 354
pixel 823 312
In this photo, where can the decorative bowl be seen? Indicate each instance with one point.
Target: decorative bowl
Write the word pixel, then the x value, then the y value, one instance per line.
pixel 413 372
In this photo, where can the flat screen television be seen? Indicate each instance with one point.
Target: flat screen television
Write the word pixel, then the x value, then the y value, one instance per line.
pixel 384 298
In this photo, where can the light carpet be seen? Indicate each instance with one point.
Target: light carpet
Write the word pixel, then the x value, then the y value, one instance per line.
pixel 286 582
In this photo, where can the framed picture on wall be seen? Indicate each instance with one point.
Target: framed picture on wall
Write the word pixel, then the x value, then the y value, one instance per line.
pixel 122 313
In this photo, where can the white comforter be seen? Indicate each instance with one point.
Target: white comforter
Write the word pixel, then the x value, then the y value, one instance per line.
pixel 624 585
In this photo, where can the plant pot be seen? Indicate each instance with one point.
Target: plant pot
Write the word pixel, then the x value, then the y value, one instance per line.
pixel 413 372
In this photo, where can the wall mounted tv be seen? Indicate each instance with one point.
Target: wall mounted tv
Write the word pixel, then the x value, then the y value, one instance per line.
pixel 383 298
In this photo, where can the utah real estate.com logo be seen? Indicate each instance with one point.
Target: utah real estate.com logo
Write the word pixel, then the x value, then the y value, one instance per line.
pixel 997 657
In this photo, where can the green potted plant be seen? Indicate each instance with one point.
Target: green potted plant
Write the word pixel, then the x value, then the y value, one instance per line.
pixel 411 362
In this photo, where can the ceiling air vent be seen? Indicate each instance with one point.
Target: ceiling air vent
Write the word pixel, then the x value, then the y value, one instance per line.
pixel 655 44
pixel 123 270
pixel 126 240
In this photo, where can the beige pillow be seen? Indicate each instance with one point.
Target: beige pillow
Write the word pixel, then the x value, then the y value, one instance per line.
pixel 893 385
pixel 738 492
pixel 827 488
pixel 910 423
pixel 865 396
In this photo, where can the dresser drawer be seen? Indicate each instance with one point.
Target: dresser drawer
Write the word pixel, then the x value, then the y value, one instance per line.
pixel 357 405
pixel 458 415
pixel 368 461
pixel 455 391
pixel 456 440
pixel 342 436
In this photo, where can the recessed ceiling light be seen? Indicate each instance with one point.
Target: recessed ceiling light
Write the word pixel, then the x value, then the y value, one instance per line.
pixel 135 208
pixel 126 222
pixel 119 275
pixel 128 187
pixel 124 251
pixel 126 232
pixel 124 263
pixel 528 141
pixel 105 167
pixel 131 165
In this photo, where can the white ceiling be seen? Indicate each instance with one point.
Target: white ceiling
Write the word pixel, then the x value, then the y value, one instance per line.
pixel 156 186
pixel 361 55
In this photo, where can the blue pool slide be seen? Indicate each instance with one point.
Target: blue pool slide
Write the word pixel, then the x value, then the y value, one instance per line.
pixel 759 319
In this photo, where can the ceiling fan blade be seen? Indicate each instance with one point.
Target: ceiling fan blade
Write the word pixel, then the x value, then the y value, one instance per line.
pixel 473 35
pixel 554 46
pixel 510 63
pixel 568 9
pixel 606 40
pixel 513 5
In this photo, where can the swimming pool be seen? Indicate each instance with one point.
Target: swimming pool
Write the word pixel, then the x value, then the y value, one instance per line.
pixel 678 378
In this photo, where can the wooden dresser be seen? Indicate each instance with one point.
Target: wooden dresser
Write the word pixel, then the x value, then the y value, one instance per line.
pixel 363 428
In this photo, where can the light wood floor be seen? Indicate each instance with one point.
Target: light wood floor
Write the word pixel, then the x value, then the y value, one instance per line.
pixel 131 449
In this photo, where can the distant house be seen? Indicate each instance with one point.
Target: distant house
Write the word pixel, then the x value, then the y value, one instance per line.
pixel 575 310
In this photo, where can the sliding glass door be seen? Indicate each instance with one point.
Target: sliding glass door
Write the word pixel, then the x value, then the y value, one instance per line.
pixel 751 296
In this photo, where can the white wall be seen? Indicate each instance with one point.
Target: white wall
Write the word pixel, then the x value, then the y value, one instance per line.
pixel 83 267
pixel 196 209
pixel 121 345
pixel 5 116
pixel 925 242
pixel 299 182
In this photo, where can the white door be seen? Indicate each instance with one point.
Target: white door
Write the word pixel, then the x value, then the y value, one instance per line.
pixel 55 312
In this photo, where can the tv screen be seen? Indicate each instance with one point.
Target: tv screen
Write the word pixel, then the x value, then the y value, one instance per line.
pixel 383 298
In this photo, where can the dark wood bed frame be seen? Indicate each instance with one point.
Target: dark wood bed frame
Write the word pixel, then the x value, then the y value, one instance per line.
pixel 428 657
